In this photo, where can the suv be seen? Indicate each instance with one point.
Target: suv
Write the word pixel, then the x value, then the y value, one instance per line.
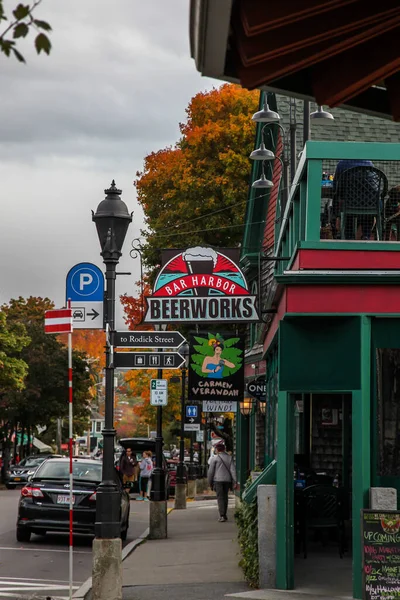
pixel 21 473
pixel 138 446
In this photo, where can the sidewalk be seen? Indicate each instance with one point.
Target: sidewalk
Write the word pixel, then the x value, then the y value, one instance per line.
pixel 198 561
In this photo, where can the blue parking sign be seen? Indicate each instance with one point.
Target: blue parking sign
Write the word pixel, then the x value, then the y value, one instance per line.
pixel 85 283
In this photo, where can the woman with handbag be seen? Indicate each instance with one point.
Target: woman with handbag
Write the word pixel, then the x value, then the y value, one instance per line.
pixel 222 478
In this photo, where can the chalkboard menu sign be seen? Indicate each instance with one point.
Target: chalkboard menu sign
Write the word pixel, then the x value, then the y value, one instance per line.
pixel 381 554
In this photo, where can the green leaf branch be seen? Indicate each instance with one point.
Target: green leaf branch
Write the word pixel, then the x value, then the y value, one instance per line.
pixel 19 25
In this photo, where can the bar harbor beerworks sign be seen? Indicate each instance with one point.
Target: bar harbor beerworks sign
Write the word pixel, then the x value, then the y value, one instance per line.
pixel 200 284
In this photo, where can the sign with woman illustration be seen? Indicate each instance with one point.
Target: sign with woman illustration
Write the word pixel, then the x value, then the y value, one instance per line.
pixel 216 370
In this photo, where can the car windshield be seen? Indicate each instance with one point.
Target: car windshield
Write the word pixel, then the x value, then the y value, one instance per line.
pixel 31 462
pixel 84 471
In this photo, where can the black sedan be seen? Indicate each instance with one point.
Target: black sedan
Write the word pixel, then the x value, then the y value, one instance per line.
pixel 21 473
pixel 44 501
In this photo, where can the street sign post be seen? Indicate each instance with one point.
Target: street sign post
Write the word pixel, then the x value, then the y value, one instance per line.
pixel 147 360
pixel 85 289
pixel 192 418
pixel 148 339
pixel 158 392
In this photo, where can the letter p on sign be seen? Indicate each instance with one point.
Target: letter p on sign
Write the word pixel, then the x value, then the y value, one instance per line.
pixel 84 279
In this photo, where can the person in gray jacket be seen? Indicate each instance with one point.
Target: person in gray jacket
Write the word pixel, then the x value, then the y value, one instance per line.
pixel 222 478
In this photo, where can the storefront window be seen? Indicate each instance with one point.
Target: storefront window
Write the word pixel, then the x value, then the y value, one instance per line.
pixel 388 411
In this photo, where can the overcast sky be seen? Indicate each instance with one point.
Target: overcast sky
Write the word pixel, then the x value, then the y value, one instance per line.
pixel 113 89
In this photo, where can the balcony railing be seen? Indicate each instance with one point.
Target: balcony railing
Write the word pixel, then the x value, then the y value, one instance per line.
pixel 357 203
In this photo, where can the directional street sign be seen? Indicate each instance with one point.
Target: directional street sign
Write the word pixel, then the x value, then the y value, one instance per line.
pixel 85 289
pixel 148 360
pixel 191 411
pixel 148 339
pixel 192 418
pixel 158 392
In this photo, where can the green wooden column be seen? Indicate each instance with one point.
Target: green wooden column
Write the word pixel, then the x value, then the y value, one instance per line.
pixel 361 424
pixel 242 446
pixel 285 494
pixel 303 209
pixel 313 211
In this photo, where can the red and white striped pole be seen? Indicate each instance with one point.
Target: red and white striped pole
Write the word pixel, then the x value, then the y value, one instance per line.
pixel 60 321
pixel 71 479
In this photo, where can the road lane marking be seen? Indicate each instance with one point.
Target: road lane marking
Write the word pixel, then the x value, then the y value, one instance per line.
pixel 45 550
pixel 30 579
pixel 25 586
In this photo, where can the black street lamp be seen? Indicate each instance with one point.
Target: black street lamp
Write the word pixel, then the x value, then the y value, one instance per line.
pixel 181 468
pixel 158 492
pixel 112 220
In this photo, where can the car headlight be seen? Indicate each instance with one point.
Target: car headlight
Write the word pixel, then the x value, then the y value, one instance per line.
pixel 31 473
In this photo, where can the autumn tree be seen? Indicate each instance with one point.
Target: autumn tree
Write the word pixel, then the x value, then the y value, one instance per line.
pixel 19 23
pixel 134 308
pixel 194 193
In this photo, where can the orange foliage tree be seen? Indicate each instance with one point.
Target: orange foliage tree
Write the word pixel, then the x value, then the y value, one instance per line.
pixel 134 309
pixel 195 192
pixel 91 342
pixel 139 382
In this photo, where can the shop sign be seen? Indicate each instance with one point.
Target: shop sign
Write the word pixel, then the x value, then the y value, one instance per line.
pixel 216 367
pixel 219 406
pixel 258 389
pixel 200 284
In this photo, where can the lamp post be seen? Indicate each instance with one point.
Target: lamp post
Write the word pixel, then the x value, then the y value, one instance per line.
pixel 180 489
pixel 112 220
pixel 158 492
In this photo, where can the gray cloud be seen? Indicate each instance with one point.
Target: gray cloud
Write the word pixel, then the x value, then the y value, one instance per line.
pixel 114 88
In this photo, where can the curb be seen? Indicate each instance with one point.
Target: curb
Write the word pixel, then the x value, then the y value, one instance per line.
pixel 85 588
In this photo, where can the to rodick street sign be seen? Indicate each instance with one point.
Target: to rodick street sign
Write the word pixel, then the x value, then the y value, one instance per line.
pixel 148 339
pixel 148 360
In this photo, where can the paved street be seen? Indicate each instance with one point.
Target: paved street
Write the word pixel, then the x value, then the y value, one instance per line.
pixel 40 568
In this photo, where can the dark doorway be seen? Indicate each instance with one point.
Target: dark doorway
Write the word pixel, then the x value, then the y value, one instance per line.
pixel 322 496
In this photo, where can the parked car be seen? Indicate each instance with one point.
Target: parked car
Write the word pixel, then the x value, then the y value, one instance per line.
pixel 21 473
pixel 138 446
pixel 44 501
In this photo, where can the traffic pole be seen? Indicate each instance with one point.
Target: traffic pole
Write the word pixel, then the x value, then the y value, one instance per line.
pixel 71 479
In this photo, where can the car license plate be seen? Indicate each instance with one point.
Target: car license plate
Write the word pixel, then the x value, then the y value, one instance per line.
pixel 64 499
pixel 17 478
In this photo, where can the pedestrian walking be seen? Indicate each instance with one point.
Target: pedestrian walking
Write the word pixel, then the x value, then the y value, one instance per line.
pixel 146 469
pixel 129 468
pixel 222 478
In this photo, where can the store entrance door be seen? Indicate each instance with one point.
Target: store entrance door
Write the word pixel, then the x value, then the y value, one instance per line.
pixel 322 493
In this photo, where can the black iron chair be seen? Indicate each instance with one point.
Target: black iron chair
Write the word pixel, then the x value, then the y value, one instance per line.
pixel 322 508
pixel 359 200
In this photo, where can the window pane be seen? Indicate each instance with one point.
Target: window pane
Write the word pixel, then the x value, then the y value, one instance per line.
pixel 388 411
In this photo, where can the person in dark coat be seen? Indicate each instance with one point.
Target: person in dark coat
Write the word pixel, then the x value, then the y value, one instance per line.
pixel 222 478
pixel 129 468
